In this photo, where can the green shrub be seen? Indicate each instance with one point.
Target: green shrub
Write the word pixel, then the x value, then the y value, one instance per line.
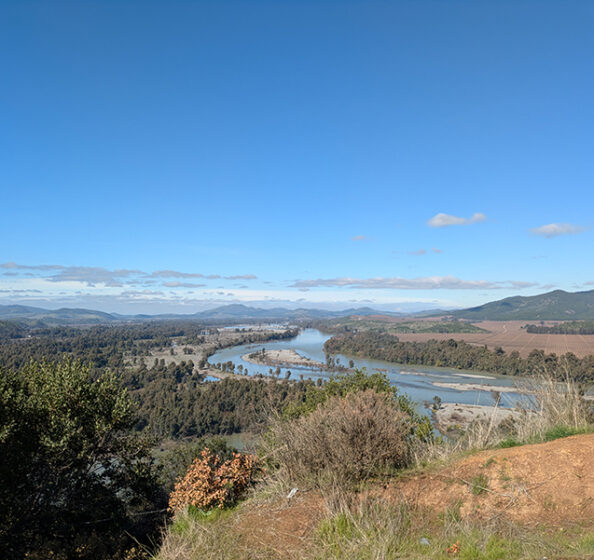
pixel 341 385
pixel 72 472
pixel 345 439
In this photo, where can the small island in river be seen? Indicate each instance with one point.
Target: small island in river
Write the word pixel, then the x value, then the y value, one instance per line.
pixel 283 358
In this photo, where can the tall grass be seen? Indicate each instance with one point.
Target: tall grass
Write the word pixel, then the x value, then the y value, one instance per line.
pixel 374 528
pixel 556 405
pixel 198 537
pixel 550 408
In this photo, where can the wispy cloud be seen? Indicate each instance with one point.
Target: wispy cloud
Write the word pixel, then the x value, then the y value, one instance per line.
pixel 445 220
pixel 554 230
pixel 424 283
pixel 360 238
pixel 175 284
pixel 89 275
pixel 420 252
pixel 13 265
pixel 178 274
pixel 20 292
pixel 241 277
pixel 94 275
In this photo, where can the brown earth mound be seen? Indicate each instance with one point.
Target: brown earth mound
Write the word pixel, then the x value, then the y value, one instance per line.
pixel 548 484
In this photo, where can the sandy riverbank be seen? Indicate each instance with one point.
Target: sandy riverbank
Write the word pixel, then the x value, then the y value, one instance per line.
pixel 284 358
pixel 477 387
pixel 456 416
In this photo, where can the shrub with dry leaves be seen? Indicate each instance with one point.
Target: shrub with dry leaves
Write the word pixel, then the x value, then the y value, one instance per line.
pixel 210 482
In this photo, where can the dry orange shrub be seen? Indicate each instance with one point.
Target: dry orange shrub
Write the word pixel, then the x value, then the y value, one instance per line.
pixel 211 483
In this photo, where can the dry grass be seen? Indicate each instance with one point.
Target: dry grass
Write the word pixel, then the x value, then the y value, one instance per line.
pixel 557 404
pixel 193 538
pixel 373 528
pixel 551 409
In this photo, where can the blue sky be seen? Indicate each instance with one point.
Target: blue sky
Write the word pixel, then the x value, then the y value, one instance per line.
pixel 173 156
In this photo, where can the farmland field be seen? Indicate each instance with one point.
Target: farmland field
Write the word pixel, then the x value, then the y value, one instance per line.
pixel 511 336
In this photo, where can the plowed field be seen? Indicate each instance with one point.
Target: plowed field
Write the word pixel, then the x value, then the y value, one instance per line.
pixel 511 336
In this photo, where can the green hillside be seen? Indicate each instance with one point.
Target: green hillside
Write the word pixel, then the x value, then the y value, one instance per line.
pixel 552 306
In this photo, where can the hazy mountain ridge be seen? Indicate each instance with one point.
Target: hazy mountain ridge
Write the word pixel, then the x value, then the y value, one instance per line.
pixel 75 316
pixel 557 305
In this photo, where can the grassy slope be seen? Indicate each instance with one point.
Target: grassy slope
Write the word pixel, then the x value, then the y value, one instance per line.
pixel 497 504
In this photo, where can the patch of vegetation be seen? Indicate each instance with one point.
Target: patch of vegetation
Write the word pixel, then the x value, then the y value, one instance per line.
pixel 478 484
pixel 379 529
pixel 508 442
pixel 344 441
pixel 563 431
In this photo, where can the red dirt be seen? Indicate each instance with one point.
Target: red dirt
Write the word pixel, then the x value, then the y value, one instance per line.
pixel 283 527
pixel 549 484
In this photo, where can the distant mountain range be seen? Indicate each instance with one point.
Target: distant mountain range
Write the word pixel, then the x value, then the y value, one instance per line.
pixel 552 306
pixel 232 313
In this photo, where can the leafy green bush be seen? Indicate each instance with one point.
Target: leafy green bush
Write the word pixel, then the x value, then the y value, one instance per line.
pixel 72 473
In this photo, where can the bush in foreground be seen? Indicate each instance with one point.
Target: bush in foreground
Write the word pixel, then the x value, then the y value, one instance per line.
pixel 76 481
pixel 345 439
pixel 210 482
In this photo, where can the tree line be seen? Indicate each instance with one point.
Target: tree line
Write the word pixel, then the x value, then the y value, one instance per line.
pixel 458 354
pixel 569 327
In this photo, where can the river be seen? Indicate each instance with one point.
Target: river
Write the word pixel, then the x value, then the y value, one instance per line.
pixel 416 381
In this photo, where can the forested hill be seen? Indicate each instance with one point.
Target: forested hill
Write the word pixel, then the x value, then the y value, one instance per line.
pixel 552 306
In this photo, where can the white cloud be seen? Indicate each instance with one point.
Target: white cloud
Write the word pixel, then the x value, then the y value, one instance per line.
pixel 359 238
pixel 554 230
pixel 444 220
